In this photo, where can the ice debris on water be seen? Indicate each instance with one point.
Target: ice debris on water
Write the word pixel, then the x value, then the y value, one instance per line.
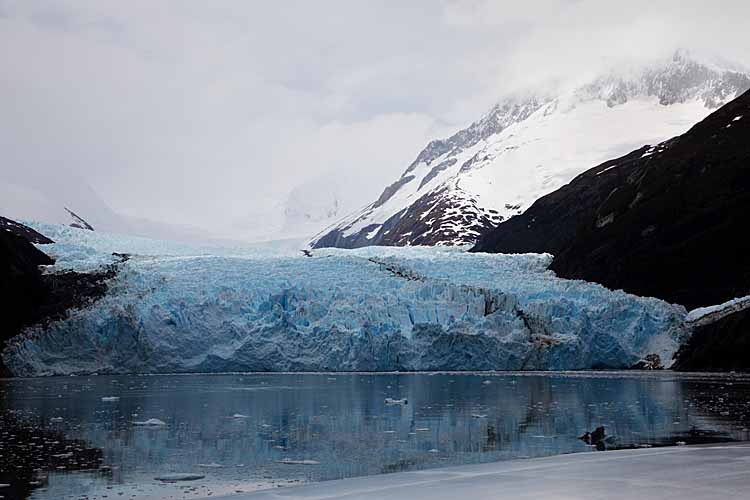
pixel 177 308
pixel 179 476
pixel 391 401
pixel 289 461
pixel 110 399
pixel 151 422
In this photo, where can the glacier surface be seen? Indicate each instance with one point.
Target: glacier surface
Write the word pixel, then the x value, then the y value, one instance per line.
pixel 180 308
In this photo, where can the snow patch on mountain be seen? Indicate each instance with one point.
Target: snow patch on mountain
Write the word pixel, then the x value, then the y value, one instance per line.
pixel 705 315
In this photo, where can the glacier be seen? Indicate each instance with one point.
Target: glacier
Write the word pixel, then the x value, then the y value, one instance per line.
pixel 186 308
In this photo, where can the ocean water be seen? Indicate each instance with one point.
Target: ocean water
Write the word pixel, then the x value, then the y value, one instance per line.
pixel 73 437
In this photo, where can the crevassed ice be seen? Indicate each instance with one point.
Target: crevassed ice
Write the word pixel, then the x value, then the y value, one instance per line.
pixel 175 308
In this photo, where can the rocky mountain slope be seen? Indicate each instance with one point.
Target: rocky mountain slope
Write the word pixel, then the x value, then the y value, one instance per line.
pixel 528 146
pixel 666 221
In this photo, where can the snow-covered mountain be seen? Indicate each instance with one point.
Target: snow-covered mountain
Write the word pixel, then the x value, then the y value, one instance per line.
pixel 528 146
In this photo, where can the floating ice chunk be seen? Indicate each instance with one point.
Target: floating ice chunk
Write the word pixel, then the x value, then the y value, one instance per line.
pixel 289 461
pixel 56 419
pixel 179 476
pixel 391 401
pixel 239 416
pixel 478 415
pixel 151 422
pixel 212 465
pixel 110 399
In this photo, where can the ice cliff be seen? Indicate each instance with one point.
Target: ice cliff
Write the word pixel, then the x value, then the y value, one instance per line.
pixel 177 308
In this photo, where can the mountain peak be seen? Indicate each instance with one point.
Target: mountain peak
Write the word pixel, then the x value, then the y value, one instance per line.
pixel 529 144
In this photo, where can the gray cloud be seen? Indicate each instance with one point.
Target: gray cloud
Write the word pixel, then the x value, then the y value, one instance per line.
pixel 206 112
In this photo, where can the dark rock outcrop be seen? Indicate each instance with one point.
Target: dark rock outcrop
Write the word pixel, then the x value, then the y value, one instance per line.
pixel 667 221
pixel 723 345
pixel 78 221
pixel 23 231
pixel 29 297
pixel 22 287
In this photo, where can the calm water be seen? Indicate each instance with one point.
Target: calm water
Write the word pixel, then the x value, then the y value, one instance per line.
pixel 59 439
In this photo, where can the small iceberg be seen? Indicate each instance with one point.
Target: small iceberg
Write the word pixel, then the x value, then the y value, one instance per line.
pixel 391 401
pixel 151 422
pixel 171 478
pixel 289 461
pixel 239 415
pixel 212 465
pixel 478 415
pixel 110 399
pixel 56 419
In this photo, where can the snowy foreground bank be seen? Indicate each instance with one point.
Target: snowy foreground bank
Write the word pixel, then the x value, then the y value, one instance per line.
pixel 688 473
pixel 179 308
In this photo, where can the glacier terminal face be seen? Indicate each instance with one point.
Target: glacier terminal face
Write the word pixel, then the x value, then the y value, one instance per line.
pixel 174 308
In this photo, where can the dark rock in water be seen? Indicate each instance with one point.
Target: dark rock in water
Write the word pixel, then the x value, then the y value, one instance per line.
pixel 25 232
pixel 650 362
pixel 598 438
pixel 719 346
pixel 667 221
pixel 29 297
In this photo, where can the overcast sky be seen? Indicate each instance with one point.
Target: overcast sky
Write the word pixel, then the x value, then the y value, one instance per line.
pixel 205 111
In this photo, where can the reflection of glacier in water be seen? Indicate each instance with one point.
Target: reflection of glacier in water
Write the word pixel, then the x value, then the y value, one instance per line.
pixel 237 430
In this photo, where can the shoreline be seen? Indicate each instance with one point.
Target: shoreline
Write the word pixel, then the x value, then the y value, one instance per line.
pixel 689 472
pixel 530 373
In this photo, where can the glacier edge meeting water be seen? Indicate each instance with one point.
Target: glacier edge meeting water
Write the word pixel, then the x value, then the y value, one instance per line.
pixel 179 308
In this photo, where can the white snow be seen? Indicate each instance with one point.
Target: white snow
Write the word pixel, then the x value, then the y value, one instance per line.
pixel 375 308
pixel 710 314
pixel 685 472
pixel 374 232
pixel 737 118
